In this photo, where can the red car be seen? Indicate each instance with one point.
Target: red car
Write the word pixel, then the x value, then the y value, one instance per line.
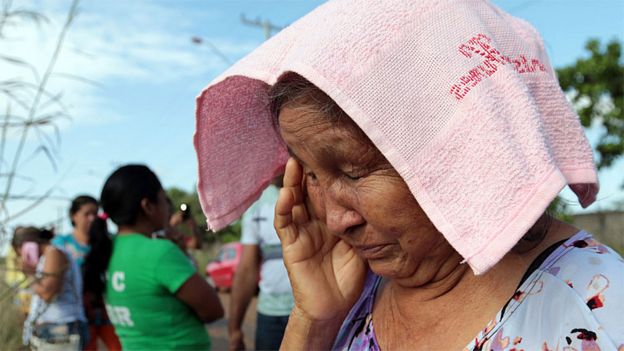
pixel 221 270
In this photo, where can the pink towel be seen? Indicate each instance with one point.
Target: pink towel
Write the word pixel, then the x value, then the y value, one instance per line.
pixel 458 95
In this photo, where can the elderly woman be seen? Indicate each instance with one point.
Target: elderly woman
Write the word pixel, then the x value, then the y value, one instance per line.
pixel 423 142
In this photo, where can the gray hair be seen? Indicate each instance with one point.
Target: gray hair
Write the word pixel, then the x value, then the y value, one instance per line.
pixel 293 90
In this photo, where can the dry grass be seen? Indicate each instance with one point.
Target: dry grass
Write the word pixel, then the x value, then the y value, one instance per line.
pixel 11 319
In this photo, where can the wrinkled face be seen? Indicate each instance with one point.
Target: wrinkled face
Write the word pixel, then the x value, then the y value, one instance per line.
pixel 84 217
pixel 355 190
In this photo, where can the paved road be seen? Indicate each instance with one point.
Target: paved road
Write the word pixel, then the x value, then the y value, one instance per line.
pixel 218 330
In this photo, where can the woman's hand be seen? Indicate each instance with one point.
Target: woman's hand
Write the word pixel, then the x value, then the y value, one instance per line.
pixel 326 274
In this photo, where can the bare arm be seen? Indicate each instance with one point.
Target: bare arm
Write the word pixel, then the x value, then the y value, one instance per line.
pixel 202 298
pixel 243 289
pixel 51 283
pixel 303 333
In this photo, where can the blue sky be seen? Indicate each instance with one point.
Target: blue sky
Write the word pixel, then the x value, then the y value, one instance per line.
pixel 148 73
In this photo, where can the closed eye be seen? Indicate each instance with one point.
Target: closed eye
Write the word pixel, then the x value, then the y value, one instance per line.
pixel 353 176
pixel 353 173
pixel 311 178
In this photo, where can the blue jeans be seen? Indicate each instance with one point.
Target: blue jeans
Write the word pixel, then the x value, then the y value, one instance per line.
pixel 270 331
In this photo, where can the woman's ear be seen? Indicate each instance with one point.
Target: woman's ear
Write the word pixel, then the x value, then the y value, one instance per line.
pixel 147 207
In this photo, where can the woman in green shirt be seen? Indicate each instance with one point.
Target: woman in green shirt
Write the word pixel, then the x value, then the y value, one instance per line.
pixel 154 297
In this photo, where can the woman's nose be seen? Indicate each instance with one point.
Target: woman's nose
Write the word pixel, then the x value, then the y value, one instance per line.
pixel 340 214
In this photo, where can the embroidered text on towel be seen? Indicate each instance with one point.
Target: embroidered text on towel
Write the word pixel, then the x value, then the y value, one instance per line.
pixel 480 44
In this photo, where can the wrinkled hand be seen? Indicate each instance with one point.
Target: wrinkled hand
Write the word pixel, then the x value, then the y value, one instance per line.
pixel 326 274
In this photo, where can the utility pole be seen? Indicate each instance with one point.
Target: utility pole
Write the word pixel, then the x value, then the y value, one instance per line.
pixel 199 41
pixel 58 227
pixel 266 25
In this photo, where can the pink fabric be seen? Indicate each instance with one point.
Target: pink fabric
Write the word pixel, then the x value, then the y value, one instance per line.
pixel 458 95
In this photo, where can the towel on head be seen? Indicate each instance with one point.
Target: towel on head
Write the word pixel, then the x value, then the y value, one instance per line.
pixel 458 95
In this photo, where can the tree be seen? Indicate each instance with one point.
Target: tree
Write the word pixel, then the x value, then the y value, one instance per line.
pixel 179 197
pixel 596 87
pixel 191 199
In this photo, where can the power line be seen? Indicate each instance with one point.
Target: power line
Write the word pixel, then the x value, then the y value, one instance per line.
pixel 38 197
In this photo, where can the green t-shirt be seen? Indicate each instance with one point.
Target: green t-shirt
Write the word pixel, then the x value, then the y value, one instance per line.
pixel 142 279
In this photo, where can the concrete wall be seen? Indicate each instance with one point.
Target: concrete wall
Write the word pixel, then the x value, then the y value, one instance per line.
pixel 608 227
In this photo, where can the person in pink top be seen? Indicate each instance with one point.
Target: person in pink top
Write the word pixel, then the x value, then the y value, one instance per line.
pixel 422 143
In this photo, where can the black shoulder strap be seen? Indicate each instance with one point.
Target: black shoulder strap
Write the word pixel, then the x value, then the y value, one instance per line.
pixel 537 262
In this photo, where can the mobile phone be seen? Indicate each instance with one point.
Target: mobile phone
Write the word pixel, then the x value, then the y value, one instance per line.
pixel 186 211
pixel 30 254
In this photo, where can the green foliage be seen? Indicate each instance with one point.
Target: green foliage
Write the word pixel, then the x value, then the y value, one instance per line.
pixel 596 84
pixel 228 234
pixel 179 196
pixel 558 208
pixel 596 87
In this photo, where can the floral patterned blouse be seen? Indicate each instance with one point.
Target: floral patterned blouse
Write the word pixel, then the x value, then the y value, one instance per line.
pixel 573 301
